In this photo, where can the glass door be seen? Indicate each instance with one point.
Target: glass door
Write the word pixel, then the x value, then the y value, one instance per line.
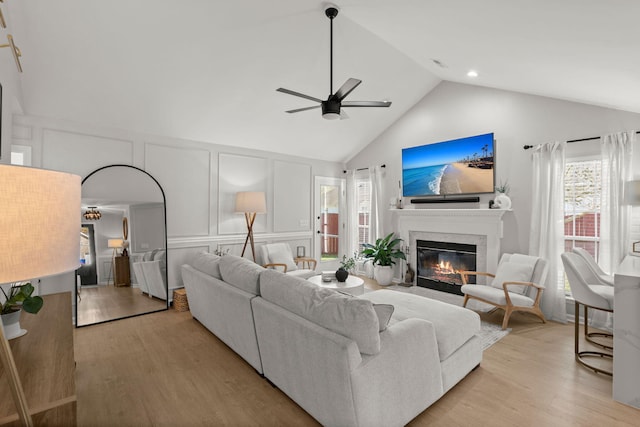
pixel 329 206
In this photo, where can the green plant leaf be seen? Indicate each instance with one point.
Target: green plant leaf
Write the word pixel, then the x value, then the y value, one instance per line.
pixel 32 304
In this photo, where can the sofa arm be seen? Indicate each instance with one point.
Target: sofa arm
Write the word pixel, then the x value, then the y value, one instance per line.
pixel 395 385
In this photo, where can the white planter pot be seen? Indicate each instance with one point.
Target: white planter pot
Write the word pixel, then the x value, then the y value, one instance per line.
pixel 383 274
pixel 11 325
pixel 502 201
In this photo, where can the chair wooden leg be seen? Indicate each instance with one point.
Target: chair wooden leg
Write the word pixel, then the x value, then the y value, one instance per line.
pixel 466 298
pixel 505 320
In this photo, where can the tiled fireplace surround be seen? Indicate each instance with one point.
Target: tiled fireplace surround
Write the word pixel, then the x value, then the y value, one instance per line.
pixel 480 227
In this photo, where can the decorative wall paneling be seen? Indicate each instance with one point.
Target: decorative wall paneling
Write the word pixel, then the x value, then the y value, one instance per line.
pixel 200 180
pixel 291 196
pixel 241 173
pixel 186 185
pixel 89 152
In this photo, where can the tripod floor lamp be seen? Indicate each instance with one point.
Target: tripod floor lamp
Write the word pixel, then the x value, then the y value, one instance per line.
pixel 250 203
pixel 40 229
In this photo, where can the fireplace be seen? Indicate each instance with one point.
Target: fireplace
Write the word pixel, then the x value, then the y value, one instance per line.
pixel 438 264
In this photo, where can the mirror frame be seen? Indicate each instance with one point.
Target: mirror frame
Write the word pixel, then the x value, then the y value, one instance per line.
pixel 166 273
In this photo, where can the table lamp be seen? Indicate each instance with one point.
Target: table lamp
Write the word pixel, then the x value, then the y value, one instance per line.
pixel 114 244
pixel 250 203
pixel 39 224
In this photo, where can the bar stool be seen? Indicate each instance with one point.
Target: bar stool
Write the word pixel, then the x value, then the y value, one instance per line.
pixel 593 265
pixel 591 292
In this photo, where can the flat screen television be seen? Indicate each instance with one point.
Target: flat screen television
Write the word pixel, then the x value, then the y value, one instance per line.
pixel 457 167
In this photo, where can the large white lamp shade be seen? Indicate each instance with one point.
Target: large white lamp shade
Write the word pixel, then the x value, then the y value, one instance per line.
pixel 251 202
pixel 40 236
pixel 39 223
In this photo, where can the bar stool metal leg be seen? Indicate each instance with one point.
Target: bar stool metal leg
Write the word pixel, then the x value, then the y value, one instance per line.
pixel 581 355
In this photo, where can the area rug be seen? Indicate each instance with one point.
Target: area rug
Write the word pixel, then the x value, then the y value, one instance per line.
pixel 489 334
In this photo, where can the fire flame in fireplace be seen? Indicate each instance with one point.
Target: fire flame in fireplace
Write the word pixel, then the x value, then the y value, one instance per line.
pixel 445 267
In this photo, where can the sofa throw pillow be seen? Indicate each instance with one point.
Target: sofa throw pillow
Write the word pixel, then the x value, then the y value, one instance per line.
pixel 513 272
pixel 207 263
pixel 350 317
pixel 278 254
pixel 384 313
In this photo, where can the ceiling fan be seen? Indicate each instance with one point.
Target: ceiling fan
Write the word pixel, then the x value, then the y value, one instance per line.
pixel 332 105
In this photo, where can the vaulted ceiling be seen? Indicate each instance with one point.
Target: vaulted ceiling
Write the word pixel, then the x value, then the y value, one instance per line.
pixel 208 70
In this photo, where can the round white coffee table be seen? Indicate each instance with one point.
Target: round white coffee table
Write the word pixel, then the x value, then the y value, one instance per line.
pixel 353 285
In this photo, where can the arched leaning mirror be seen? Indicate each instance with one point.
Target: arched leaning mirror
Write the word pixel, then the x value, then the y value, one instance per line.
pixel 123 246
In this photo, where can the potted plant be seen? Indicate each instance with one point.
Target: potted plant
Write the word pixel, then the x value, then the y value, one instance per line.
pixel 19 297
pixel 346 266
pixel 383 254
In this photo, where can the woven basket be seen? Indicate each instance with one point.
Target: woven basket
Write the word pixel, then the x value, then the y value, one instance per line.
pixel 180 302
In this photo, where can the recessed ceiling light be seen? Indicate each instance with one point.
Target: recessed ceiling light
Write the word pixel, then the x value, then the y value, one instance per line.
pixel 472 73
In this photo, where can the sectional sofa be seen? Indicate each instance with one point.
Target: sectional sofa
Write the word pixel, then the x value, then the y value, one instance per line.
pixel 376 360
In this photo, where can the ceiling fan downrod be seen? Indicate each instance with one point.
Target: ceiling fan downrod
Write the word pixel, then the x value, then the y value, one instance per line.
pixel 331 13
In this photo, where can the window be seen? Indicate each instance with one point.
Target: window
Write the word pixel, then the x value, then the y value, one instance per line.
pixel 363 199
pixel 582 194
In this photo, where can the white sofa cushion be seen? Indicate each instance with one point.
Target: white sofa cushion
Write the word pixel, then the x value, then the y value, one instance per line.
pixel 207 263
pixel 496 295
pixel 241 273
pixel 454 325
pixel 353 318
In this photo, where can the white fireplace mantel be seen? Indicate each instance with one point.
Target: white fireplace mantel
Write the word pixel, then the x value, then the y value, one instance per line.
pixel 454 222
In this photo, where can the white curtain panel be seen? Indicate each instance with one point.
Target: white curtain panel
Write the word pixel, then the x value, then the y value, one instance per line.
pixel 377 205
pixel 615 215
pixel 547 224
pixel 352 213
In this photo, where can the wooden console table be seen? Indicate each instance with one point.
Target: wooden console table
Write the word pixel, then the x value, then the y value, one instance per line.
pixel 46 366
pixel 122 276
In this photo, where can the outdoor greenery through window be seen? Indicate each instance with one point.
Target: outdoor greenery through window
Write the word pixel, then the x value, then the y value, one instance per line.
pixel 582 196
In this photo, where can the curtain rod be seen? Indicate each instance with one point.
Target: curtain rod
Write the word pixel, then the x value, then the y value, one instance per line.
pixel 593 138
pixel 362 169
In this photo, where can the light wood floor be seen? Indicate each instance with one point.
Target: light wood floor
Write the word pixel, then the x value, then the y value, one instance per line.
pixel 166 369
pixel 107 302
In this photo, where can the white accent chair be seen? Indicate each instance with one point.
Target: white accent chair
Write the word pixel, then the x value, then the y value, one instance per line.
pixel 593 265
pixel 279 256
pixel 516 286
pixel 151 273
pixel 590 291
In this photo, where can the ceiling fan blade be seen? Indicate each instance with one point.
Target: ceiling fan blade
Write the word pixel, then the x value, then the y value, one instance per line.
pixel 346 88
pixel 366 104
pixel 301 95
pixel 297 110
pixel 343 115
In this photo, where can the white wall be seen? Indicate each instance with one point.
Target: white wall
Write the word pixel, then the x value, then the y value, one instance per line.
pixel 199 180
pixel 455 110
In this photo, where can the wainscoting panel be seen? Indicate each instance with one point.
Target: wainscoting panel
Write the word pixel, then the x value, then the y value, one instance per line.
pixel 240 173
pixel 291 196
pixel 82 154
pixel 183 174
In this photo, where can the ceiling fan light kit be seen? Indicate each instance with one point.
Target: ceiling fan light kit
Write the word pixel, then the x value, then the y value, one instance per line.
pixel 331 107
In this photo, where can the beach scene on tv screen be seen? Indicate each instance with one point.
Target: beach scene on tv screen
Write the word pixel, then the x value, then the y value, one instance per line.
pixel 460 166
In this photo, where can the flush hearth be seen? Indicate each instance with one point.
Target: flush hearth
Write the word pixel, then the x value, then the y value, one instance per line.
pixel 439 264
